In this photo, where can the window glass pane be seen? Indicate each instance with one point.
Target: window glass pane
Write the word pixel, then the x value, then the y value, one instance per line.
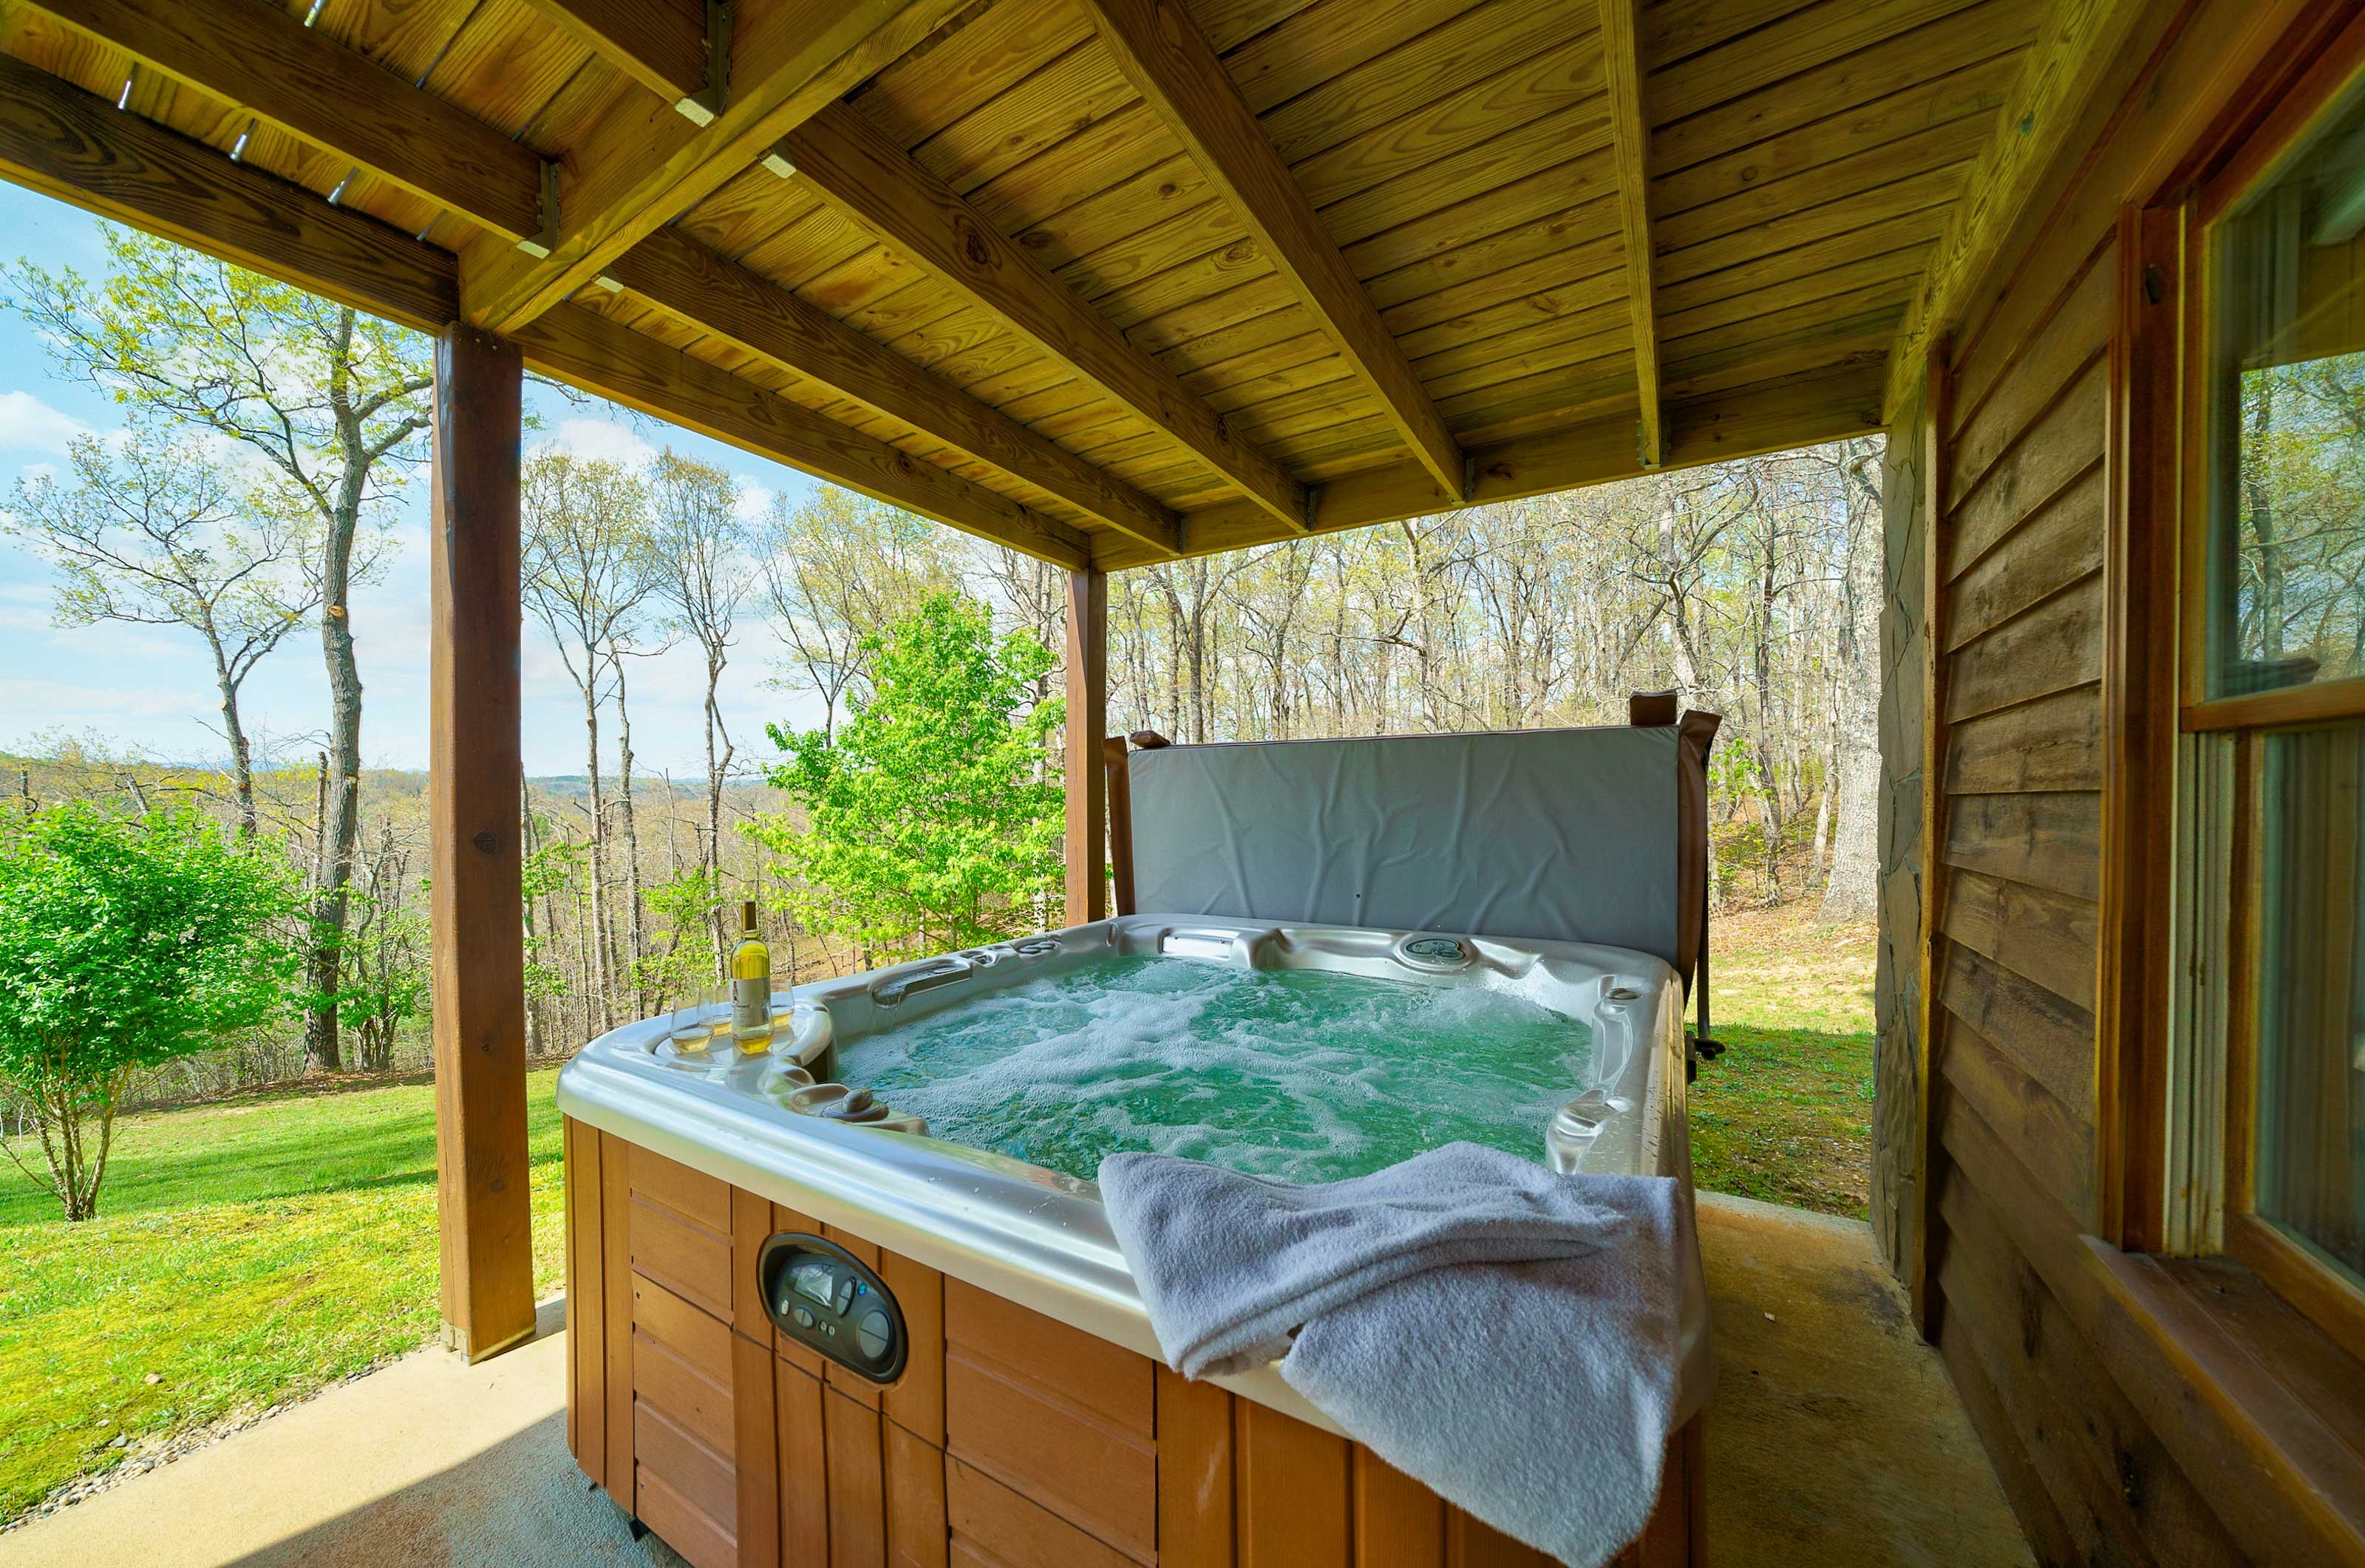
pixel 2309 1168
pixel 2286 601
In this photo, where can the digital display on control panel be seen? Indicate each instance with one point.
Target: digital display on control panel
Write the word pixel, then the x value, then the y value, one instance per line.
pixel 817 1282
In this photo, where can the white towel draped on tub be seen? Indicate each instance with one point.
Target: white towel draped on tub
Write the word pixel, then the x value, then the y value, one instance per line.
pixel 1504 1334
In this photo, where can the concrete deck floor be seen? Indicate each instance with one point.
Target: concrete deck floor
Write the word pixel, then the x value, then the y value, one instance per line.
pixel 1834 1440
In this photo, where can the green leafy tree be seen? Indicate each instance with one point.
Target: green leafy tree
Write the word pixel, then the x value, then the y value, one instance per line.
pixel 931 817
pixel 125 941
pixel 335 405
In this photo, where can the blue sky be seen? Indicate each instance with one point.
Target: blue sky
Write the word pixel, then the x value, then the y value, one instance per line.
pixel 149 689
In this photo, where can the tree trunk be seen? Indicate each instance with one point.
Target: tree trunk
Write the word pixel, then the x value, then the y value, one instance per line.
pixel 241 757
pixel 1853 891
pixel 534 1042
pixel 715 765
pixel 599 976
pixel 342 830
pixel 635 932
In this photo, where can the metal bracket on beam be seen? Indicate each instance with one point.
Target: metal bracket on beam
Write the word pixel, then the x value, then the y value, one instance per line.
pixel 700 107
pixel 779 164
pixel 1643 455
pixel 542 244
pixel 1469 476
pixel 1312 495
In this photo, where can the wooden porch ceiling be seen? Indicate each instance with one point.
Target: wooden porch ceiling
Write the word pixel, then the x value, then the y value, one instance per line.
pixel 1105 280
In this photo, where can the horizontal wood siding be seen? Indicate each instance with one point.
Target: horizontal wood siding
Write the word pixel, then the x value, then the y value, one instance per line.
pixel 2018 1091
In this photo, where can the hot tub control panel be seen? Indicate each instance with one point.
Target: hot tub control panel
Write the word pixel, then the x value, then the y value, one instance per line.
pixel 820 1294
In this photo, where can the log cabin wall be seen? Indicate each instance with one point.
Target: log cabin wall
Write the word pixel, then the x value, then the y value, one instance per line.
pixel 2010 470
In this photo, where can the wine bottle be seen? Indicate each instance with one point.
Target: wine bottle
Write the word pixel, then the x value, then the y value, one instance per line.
pixel 751 981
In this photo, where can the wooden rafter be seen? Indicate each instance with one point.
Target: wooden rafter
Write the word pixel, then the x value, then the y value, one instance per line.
pixel 1772 417
pixel 1178 74
pixel 1630 142
pixel 269 63
pixel 736 305
pixel 70 144
pixel 643 165
pixel 869 179
pixel 661 44
pixel 586 350
pixel 2076 46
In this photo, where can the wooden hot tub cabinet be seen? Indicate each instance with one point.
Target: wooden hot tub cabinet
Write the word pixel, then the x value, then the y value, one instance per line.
pixel 1009 1441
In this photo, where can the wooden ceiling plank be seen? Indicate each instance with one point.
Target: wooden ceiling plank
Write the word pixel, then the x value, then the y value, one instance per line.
pixel 1930 53
pixel 1629 141
pixel 64 142
pixel 644 165
pixel 870 179
pixel 2076 46
pixel 661 44
pixel 293 77
pixel 734 304
pixel 1161 52
pixel 586 350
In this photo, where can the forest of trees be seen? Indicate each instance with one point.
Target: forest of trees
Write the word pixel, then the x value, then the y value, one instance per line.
pixel 254 496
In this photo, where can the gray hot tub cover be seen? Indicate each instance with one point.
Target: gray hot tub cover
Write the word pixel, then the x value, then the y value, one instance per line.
pixel 1569 836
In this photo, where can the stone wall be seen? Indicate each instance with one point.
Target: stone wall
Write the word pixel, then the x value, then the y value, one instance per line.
pixel 1897 1152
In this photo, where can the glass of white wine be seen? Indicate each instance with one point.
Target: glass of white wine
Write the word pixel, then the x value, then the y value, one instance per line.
pixel 715 1008
pixel 686 1027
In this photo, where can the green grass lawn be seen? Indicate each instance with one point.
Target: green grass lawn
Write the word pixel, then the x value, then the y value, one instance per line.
pixel 247 1253
pixel 1784 1115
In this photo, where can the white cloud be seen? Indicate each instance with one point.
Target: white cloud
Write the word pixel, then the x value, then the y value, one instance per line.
pixel 755 501
pixel 590 438
pixel 29 424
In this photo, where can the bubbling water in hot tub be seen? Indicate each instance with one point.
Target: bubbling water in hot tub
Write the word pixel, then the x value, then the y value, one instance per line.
pixel 1305 1075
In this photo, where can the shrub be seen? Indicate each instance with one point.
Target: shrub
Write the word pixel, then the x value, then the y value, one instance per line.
pixel 125 941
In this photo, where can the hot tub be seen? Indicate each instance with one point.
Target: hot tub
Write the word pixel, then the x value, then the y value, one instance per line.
pixel 1022 1403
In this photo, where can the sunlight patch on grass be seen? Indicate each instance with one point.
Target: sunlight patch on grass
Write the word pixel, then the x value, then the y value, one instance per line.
pixel 247 1254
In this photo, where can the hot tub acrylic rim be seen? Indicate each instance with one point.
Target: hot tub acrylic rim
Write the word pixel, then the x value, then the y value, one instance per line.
pixel 1042 1238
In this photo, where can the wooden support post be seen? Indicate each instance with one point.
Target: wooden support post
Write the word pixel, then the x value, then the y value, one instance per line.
pixel 1087 717
pixel 476 772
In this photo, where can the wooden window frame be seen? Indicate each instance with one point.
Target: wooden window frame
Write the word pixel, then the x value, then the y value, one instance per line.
pixel 2156 689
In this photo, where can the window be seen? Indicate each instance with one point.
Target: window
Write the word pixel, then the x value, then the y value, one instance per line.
pixel 2286 605
pixel 2272 907
pixel 2307 1167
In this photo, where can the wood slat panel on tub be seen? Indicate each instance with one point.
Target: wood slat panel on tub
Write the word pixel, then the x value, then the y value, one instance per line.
pixel 587 1324
pixel 803 1467
pixel 681 1364
pixel 1061 1449
pixel 690 1260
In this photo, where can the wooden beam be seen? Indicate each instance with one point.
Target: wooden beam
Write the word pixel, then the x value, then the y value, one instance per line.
pixel 661 44
pixel 692 282
pixel 1799 410
pixel 475 779
pixel 644 164
pixel 1179 74
pixel 586 350
pixel 1087 683
pixel 64 142
pixel 269 63
pixel 2077 45
pixel 1629 144
pixel 867 177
